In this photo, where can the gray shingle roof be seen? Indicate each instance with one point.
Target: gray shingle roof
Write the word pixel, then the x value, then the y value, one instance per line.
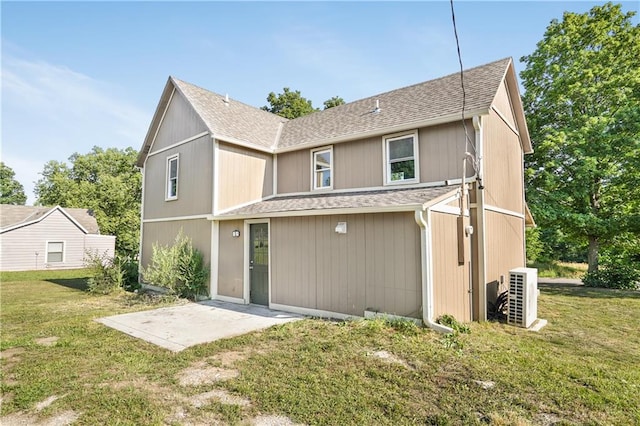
pixel 232 119
pixel 11 215
pixel 429 100
pixel 412 104
pixel 348 200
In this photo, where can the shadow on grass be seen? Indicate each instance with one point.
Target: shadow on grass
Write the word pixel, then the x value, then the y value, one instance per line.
pixel 74 283
pixel 578 290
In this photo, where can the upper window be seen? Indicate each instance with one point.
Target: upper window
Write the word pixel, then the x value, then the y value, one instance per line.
pixel 401 158
pixel 322 168
pixel 55 251
pixel 172 177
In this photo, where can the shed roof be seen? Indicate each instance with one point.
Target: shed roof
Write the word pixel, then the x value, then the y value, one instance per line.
pixel 330 203
pixel 14 216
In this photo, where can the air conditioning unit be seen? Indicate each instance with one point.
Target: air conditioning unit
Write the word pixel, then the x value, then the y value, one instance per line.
pixel 523 297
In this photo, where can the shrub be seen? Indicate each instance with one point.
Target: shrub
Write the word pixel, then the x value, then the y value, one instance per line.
pixel 614 275
pixel 106 274
pixel 178 268
pixel 129 268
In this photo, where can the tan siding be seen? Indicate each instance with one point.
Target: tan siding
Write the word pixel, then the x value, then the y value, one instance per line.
pixel 504 249
pixel 19 246
pixel 503 104
pixel 442 150
pixel 450 279
pixel 374 266
pixel 503 165
pixel 231 260
pixel 358 164
pixel 294 171
pixel 180 122
pixel 245 175
pixel 165 233
pixel 195 181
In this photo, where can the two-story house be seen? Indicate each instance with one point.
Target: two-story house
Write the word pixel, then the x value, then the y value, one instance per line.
pixel 387 204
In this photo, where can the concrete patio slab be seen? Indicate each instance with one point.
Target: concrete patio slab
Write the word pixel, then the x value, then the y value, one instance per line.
pixel 178 327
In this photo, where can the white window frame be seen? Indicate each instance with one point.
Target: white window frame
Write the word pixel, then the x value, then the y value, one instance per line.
pixel 167 192
pixel 46 251
pixel 387 161
pixel 315 151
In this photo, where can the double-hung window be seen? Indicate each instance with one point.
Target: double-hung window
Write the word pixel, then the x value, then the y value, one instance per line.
pixel 322 168
pixel 401 158
pixel 172 177
pixel 55 251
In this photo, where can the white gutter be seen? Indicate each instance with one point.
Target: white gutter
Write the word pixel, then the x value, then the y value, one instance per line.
pixel 422 219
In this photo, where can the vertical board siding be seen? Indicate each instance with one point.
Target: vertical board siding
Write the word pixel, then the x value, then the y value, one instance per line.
pixel 164 233
pixel 503 165
pixel 358 164
pixel 450 279
pixel 231 260
pixel 505 248
pixel 374 266
pixel 20 245
pixel 245 175
pixel 180 123
pixel 294 171
pixel 195 181
pixel 442 149
pixel 503 104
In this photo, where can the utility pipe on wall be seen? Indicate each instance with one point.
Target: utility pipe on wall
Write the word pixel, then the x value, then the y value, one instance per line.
pixel 422 219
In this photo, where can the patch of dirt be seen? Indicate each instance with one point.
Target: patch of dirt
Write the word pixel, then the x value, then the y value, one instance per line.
pixel 47 402
pixel 273 421
pixel 547 419
pixel 201 374
pixel 7 354
pixel 22 419
pixel 47 341
pixel 219 395
pixel 390 358
pixel 229 358
pixel 181 417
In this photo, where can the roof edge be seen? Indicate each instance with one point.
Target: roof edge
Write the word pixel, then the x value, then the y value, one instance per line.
pixel 41 218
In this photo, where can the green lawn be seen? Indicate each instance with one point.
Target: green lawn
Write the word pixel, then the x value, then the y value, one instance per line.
pixel 580 369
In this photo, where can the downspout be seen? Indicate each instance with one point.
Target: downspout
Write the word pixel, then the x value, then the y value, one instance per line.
pixel 422 219
pixel 482 263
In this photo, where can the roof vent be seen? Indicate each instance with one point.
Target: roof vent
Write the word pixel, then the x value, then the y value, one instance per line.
pixel 377 109
pixel 226 99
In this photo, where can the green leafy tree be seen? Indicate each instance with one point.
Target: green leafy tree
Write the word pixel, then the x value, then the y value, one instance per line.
pixel 11 191
pixel 289 104
pixel 106 181
pixel 582 100
pixel 333 102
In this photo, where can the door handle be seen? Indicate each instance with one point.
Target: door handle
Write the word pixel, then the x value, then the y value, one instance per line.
pixel 251 267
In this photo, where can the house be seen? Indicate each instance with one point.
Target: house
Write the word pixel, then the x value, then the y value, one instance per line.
pixel 34 238
pixel 381 205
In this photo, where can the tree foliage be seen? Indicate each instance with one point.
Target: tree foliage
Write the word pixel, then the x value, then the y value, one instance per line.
pixel 11 191
pixel 106 181
pixel 582 100
pixel 333 102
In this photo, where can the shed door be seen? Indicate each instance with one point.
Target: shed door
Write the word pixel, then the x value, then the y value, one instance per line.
pixel 259 263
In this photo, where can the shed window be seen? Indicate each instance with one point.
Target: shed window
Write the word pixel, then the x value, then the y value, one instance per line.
pixel 55 251
pixel 322 168
pixel 401 155
pixel 172 177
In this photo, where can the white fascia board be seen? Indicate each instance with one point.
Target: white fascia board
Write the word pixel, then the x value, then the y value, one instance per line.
pixel 321 212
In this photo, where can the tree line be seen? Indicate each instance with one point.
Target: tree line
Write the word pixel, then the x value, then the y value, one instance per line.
pixel 582 104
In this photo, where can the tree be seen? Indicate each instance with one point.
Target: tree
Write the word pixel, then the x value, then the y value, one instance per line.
pixel 333 102
pixel 11 191
pixel 106 181
pixel 289 104
pixel 582 100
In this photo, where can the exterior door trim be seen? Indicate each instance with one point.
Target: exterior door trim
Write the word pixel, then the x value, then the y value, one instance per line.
pixel 247 257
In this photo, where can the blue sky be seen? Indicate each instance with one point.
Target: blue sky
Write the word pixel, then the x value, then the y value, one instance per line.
pixel 79 74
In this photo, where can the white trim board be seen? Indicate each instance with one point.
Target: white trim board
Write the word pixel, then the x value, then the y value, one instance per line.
pixel 177 144
pixel 176 218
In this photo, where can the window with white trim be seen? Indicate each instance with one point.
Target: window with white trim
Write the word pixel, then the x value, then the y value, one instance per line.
pixel 172 177
pixel 401 158
pixel 322 168
pixel 55 251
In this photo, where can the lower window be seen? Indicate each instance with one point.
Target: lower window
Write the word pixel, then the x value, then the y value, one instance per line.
pixel 55 251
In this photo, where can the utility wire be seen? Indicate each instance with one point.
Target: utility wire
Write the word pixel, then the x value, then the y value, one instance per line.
pixel 464 94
